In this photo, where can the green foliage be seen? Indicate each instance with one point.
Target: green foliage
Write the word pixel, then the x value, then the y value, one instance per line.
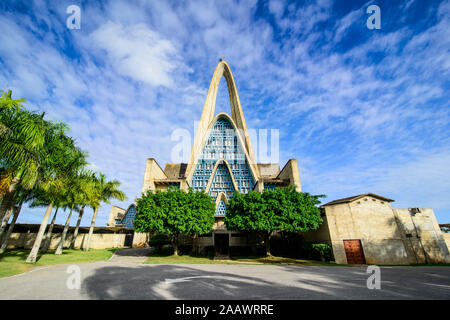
pixel 22 136
pixel 445 229
pixel 175 212
pixel 323 249
pixel 282 209
pixel 316 251
pixel 103 191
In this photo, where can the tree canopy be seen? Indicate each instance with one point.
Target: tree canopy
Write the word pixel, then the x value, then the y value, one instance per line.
pixel 175 212
pixel 40 162
pixel 282 209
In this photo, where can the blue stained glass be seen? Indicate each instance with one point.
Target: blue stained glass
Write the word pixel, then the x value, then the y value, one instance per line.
pixel 128 219
pixel 222 143
pixel 270 186
pixel 221 209
pixel 221 182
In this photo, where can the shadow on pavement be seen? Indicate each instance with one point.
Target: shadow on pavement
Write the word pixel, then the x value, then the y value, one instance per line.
pixel 288 282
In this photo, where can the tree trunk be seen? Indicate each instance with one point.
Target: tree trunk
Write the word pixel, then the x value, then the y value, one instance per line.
pixel 37 243
pixel 48 236
pixel 194 245
pixel 8 198
pixel 267 242
pixel 91 230
pixel 175 246
pixel 75 233
pixel 63 235
pixel 10 229
pixel 5 222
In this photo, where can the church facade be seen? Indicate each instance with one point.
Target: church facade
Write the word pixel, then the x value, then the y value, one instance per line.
pixel 222 161
pixel 360 229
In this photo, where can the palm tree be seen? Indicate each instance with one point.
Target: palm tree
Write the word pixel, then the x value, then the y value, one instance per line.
pixel 10 228
pixel 22 195
pixel 62 158
pixel 4 222
pixel 48 235
pixel 87 191
pixel 22 138
pixel 75 194
pixel 104 191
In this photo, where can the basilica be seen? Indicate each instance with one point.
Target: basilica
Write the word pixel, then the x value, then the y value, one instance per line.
pixel 360 229
pixel 222 161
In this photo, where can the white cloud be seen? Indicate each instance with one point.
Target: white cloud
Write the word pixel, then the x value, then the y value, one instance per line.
pixel 138 52
pixel 140 71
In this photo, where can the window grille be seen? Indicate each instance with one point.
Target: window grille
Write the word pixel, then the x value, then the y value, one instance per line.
pixel 128 219
pixel 222 143
pixel 221 209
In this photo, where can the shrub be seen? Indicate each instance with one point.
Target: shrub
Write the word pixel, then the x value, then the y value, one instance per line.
pixel 317 251
pixel 324 250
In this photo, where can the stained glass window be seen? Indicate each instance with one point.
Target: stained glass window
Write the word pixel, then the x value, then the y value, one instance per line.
pixel 269 186
pixel 221 182
pixel 222 143
pixel 221 208
pixel 128 219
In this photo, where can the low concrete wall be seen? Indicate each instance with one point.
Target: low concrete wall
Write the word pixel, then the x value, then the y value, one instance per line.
pixel 98 241
pixel 140 239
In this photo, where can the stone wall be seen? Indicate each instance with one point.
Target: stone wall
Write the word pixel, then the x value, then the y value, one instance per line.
pixel 422 236
pixel 447 239
pixel 140 239
pixel 388 236
pixel 98 241
pixel 372 221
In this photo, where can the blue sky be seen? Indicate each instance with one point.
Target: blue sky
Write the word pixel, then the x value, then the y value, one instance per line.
pixel 361 110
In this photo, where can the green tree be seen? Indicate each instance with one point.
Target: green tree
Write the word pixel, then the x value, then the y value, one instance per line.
pixel 282 209
pixel 175 212
pixel 75 193
pixel 87 190
pixel 22 195
pixel 60 158
pixel 102 191
pixel 22 136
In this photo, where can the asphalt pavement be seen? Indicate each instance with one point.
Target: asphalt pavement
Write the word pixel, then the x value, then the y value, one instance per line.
pixel 125 277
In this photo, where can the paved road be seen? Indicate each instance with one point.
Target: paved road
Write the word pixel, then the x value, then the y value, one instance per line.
pixel 126 279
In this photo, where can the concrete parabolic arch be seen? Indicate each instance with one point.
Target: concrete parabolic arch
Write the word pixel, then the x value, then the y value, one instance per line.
pixel 207 117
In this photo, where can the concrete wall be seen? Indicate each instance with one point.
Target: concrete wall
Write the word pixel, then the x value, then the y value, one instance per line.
pixel 321 235
pixel 115 213
pixel 152 171
pixel 373 222
pixel 98 241
pixel 447 239
pixel 140 239
pixel 290 171
pixel 388 236
pixel 422 236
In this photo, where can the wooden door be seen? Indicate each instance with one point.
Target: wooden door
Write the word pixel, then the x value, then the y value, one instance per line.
pixel 354 252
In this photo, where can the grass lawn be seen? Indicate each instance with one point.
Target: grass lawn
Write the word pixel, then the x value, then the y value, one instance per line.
pixel 283 260
pixel 13 261
pixel 188 259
